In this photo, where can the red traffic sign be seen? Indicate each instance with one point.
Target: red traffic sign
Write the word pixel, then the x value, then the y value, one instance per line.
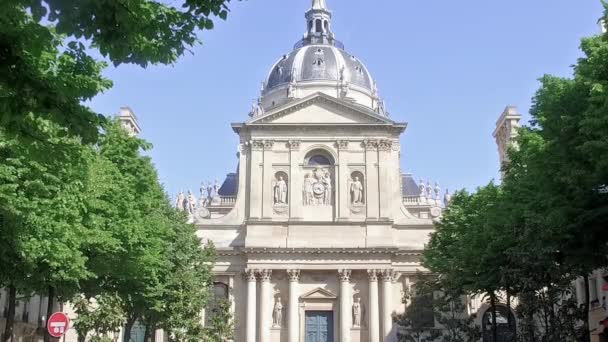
pixel 58 324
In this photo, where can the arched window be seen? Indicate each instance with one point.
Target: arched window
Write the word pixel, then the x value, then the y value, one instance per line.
pixel 326 25
pixel 310 26
pixel 318 158
pixel 319 26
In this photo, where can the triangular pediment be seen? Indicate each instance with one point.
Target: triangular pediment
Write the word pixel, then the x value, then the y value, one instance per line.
pixel 322 109
pixel 319 293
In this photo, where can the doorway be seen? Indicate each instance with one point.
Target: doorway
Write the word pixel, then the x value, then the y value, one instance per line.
pixel 319 326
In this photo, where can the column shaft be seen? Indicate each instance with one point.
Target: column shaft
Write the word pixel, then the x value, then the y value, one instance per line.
pixel 265 305
pixel 251 306
pixel 374 319
pixel 345 306
pixel 293 323
pixel 387 301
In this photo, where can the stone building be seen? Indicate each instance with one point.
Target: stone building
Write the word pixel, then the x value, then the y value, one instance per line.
pixel 319 234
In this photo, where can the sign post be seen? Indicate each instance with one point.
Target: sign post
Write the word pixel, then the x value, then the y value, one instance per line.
pixel 58 325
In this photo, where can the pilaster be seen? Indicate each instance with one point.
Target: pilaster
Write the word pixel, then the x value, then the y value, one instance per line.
pixel 371 182
pixel 256 179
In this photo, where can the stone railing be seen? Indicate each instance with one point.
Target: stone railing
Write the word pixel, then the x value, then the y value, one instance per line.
pixel 228 200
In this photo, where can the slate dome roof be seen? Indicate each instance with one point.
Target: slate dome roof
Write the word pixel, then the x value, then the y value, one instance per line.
pixel 318 62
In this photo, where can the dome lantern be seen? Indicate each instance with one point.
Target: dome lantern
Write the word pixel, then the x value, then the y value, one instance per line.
pixel 320 64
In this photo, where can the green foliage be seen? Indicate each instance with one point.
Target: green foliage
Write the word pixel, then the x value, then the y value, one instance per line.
pixel 221 328
pixel 47 71
pixel 432 303
pixel 98 317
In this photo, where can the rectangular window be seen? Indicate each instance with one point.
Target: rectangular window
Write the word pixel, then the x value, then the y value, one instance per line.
pixel 593 298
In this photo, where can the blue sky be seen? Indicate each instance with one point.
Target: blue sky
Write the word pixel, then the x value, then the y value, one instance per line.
pixel 446 67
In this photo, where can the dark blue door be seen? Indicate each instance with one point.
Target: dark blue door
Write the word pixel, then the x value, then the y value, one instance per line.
pixel 319 326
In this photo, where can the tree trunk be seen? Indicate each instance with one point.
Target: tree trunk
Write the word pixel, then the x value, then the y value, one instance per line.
pixel 586 331
pixel 493 307
pixel 10 320
pixel 149 330
pixel 509 318
pixel 49 312
pixel 126 336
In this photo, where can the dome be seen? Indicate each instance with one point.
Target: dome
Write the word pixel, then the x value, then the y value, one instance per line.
pixel 318 63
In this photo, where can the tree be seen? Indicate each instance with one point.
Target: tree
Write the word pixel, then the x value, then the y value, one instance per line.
pixel 99 317
pixel 45 67
pixel 40 203
pixel 431 303
pixel 221 328
pixel 150 256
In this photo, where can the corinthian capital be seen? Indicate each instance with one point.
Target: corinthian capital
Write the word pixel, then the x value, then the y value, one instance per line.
pixel 344 275
pixel 265 275
pixel 294 275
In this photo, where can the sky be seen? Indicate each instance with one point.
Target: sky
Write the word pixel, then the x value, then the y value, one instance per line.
pixel 447 68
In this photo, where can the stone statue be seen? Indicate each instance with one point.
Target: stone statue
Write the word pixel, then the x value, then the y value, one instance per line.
pixel 327 194
pixel 257 109
pixel 216 189
pixel 356 191
pixel 277 313
pixel 191 203
pixel 280 191
pixel 308 189
pixel 179 201
pixel 357 312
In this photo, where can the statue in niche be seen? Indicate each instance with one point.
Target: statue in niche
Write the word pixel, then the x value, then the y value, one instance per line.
pixel 356 191
pixel 280 191
pixel 357 312
pixel 277 313
pixel 308 189
pixel 327 194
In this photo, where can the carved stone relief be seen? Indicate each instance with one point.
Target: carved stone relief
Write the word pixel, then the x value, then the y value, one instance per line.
pixel 317 189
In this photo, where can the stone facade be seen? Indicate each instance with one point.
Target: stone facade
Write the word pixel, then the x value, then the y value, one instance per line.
pixel 321 224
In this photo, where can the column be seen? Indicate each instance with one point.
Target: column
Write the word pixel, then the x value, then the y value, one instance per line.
pixel 251 305
pixel 266 302
pixel 345 305
pixel 388 276
pixel 293 324
pixel 374 319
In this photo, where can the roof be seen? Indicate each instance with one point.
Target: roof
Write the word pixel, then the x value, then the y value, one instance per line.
pixel 409 187
pixel 230 187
